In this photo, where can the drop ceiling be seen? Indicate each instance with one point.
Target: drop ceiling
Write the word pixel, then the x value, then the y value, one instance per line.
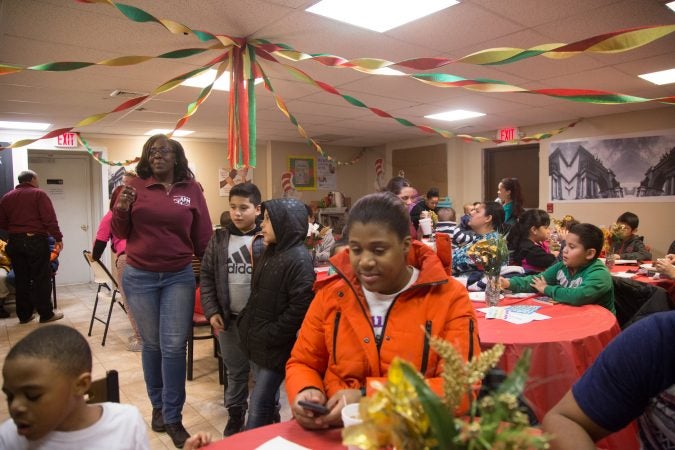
pixel 38 31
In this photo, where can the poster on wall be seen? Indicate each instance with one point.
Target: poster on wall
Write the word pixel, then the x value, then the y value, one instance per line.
pixel 229 177
pixel 613 169
pixel 303 169
pixel 326 173
pixel 114 178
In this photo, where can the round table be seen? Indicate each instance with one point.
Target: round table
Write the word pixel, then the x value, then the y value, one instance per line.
pixel 330 439
pixel 563 347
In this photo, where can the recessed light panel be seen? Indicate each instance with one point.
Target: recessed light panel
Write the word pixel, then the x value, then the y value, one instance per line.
pixel 378 15
pixel 24 125
pixel 457 114
pixel 661 77
pixel 177 133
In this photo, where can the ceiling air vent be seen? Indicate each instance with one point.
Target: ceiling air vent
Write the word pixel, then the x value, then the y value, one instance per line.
pixel 329 137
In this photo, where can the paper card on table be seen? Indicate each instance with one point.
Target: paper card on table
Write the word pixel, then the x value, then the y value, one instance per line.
pixel 623 274
pixel 279 443
pixel 523 309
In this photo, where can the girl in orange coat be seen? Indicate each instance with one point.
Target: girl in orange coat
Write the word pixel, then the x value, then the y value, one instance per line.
pixel 388 294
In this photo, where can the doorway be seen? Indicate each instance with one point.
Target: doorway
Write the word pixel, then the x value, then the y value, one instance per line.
pixel 67 180
pixel 522 162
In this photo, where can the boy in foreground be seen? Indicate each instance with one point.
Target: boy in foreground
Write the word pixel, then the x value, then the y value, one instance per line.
pixel 579 279
pixel 46 376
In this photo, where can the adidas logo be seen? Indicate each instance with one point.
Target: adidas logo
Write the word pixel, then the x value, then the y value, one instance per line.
pixel 240 262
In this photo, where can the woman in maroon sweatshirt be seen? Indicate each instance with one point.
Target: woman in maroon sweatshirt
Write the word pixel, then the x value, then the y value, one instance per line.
pixel 164 218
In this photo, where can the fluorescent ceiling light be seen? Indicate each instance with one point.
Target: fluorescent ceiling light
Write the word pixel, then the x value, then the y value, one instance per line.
pixel 457 114
pixel 205 78
pixel 177 133
pixel 24 125
pixel 671 5
pixel 378 15
pixel 661 77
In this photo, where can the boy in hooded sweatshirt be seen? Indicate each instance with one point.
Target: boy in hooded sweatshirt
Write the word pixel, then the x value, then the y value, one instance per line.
pixel 281 291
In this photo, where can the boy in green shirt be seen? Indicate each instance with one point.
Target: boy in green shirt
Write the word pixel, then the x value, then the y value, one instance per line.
pixel 579 279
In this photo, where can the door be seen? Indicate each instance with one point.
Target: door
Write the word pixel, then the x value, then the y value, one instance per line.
pixel 522 162
pixel 66 178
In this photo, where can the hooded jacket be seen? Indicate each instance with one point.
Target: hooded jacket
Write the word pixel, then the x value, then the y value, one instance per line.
pixel 337 349
pixel 213 279
pixel 281 288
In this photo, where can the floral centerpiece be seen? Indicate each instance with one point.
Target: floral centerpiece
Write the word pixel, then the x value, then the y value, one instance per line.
pixel 490 255
pixel 612 239
pixel 404 413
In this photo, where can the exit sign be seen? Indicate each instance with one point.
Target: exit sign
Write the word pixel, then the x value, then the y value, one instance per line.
pixel 66 140
pixel 507 134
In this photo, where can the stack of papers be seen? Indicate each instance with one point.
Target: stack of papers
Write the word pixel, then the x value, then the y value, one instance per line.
pixel 511 316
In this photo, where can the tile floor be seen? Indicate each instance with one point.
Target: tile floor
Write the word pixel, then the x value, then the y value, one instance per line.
pixel 203 411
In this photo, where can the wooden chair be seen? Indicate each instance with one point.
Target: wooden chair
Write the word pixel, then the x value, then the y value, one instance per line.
pixel 105 280
pixel 105 389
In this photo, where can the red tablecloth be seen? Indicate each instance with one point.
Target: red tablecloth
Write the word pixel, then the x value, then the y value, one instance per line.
pixel 291 430
pixel 664 282
pixel 563 347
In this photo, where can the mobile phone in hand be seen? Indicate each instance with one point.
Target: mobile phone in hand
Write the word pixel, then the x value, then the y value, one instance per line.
pixel 314 407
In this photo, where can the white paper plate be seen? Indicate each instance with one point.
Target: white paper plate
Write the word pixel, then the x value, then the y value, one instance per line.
pixel 623 274
pixel 648 267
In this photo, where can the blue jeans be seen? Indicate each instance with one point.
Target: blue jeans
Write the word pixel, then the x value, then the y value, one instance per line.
pixel 264 397
pixel 163 304
pixel 238 368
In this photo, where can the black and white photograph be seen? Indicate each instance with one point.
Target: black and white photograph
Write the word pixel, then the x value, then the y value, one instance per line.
pixel 619 168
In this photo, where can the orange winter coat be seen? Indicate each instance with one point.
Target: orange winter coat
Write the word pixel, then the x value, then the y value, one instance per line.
pixel 336 346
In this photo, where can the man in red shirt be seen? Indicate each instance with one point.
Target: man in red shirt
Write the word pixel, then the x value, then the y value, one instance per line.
pixel 26 212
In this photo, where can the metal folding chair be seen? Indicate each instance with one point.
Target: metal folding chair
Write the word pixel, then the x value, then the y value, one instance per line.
pixel 105 280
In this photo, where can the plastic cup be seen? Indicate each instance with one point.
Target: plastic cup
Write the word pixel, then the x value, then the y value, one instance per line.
pixel 351 416
pixel 425 226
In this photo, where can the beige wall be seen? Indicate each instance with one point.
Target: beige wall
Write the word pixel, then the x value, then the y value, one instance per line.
pixel 464 168
pixel 206 158
pixel 465 161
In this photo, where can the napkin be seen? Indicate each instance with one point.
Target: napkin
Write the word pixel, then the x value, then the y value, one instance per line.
pixel 279 443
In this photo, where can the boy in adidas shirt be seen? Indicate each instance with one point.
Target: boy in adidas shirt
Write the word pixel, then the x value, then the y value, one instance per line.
pixel 225 288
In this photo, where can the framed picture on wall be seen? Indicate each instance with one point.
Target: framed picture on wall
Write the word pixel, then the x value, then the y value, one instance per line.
pixel 303 169
pixel 615 168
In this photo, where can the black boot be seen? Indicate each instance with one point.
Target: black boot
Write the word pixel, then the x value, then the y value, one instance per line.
pixel 157 423
pixel 178 433
pixel 236 421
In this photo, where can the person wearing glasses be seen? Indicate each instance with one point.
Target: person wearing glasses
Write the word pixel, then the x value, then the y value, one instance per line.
pixel 164 218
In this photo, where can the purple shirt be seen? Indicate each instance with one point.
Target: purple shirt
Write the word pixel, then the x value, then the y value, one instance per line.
pixel 164 229
pixel 27 209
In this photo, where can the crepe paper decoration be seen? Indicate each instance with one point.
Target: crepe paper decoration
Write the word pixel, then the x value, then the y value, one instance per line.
pixel 304 77
pixel 102 160
pixel 614 42
pixel 241 151
pixel 281 105
pixel 139 15
pixel 66 66
pixel 241 127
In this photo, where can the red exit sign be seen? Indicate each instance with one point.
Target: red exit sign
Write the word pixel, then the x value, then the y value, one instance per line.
pixel 66 140
pixel 507 134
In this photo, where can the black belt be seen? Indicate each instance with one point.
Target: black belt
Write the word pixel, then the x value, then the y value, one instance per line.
pixel 30 235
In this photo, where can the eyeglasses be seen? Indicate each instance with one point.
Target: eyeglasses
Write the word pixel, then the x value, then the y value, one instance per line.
pixel 162 152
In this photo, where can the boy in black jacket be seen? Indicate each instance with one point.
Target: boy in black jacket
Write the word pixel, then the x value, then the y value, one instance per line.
pixel 280 295
pixel 225 283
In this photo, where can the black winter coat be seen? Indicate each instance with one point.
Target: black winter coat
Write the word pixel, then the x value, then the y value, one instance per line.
pixel 281 289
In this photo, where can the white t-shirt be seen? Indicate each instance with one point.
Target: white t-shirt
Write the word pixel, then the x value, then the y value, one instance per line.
pixel 121 427
pixel 239 271
pixel 379 304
